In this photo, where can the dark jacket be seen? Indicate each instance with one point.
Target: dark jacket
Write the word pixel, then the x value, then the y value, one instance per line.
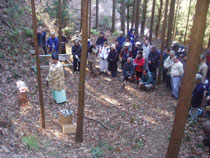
pixel 128 69
pixel 154 58
pixel 76 51
pixel 100 41
pixel 53 43
pixel 126 54
pixel 197 95
pixel 42 38
pixel 134 52
pixel 113 58
pixel 148 79
pixel 121 40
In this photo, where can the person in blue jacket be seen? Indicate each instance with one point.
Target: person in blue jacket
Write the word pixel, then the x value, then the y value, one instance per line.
pixel 121 39
pixel 41 33
pixel 197 97
pixel 128 70
pixel 76 52
pixel 147 82
pixel 101 39
pixel 52 43
pixel 131 36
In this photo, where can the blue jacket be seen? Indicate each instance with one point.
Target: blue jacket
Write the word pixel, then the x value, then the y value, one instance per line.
pixel 100 41
pixel 76 51
pixel 148 79
pixel 128 69
pixel 121 40
pixel 42 38
pixel 197 95
pixel 134 52
pixel 126 54
pixel 131 37
pixel 53 43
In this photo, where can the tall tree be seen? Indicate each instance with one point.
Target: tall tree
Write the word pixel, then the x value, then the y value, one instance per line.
pixel 81 15
pixel 175 19
pixel 81 99
pixel 197 34
pixel 97 9
pixel 89 19
pixel 170 22
pixel 152 21
pixel 163 41
pixel 128 15
pixel 137 18
pixel 159 19
pixel 133 14
pixel 208 43
pixel 188 16
pixel 38 64
pixel 59 21
pixel 144 17
pixel 113 15
pixel 122 15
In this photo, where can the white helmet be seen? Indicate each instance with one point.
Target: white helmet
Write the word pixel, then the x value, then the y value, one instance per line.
pixel 121 32
pixel 113 46
pixel 127 44
pixel 137 43
pixel 173 43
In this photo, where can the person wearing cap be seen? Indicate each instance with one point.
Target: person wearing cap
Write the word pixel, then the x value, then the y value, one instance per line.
pixel 103 54
pixel 147 82
pixel 125 54
pixel 101 39
pixel 41 33
pixel 56 79
pixel 127 41
pixel 197 97
pixel 121 39
pixel 146 50
pixel 52 43
pixel 139 66
pixel 113 58
pixel 177 72
pixel 167 66
pixel 136 49
pixel 203 68
pixel 175 46
pixel 153 60
pixel 92 52
pixel 76 52
pixel 128 70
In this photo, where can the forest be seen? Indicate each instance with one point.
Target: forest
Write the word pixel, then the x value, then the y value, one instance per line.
pixel 125 101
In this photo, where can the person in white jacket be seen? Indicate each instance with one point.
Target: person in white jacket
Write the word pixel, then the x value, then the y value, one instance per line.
pixel 103 54
pixel 167 66
pixel 203 68
pixel 146 51
pixel 177 72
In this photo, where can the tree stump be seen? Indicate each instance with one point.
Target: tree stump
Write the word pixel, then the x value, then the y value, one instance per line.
pixel 23 97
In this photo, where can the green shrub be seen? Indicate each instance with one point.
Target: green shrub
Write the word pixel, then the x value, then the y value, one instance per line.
pixel 14 35
pixel 97 152
pixel 94 32
pixel 28 32
pixel 115 33
pixel 31 142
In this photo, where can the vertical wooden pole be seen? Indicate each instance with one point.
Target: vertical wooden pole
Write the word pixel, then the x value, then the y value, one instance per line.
pixel 133 14
pixel 188 16
pixel 151 23
pixel 81 99
pixel 38 64
pixel 59 21
pixel 89 19
pixel 163 41
pixel 197 34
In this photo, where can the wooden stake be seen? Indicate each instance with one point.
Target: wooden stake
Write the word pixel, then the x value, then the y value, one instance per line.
pixel 81 101
pixel 197 34
pixel 163 41
pixel 38 64
pixel 59 21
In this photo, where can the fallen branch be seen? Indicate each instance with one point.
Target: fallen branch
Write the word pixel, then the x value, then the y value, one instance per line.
pixel 98 122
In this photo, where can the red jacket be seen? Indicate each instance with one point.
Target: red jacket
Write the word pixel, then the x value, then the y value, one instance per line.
pixel 139 64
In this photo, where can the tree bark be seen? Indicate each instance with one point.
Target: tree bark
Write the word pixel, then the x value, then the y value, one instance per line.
pixel 38 64
pixel 144 17
pixel 152 21
pixel 159 19
pixel 175 20
pixel 170 22
pixel 123 15
pixel 133 14
pixel 81 15
pixel 97 9
pixel 128 16
pixel 59 23
pixel 208 43
pixel 81 99
pixel 137 19
pixel 188 16
pixel 197 34
pixel 89 19
pixel 113 16
pixel 163 41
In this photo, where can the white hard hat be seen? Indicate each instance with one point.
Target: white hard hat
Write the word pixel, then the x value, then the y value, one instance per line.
pixel 173 43
pixel 121 32
pixel 127 44
pixel 113 46
pixel 138 43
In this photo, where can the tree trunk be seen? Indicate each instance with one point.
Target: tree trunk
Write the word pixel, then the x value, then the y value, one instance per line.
pixel 89 19
pixel 97 9
pixel 197 34
pixel 59 23
pixel 163 41
pixel 175 20
pixel 137 19
pixel 159 18
pixel 81 99
pixel 170 22
pixel 208 43
pixel 152 21
pixel 113 16
pixel 133 14
pixel 81 16
pixel 128 16
pixel 144 17
pixel 38 64
pixel 188 16
pixel 122 15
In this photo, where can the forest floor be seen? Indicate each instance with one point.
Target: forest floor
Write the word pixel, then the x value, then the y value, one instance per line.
pixel 140 121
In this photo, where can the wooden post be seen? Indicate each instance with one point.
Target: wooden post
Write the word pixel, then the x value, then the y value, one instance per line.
pixel 81 100
pixel 152 21
pixel 89 19
pixel 59 21
pixel 163 41
pixel 38 64
pixel 133 14
pixel 188 16
pixel 197 34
